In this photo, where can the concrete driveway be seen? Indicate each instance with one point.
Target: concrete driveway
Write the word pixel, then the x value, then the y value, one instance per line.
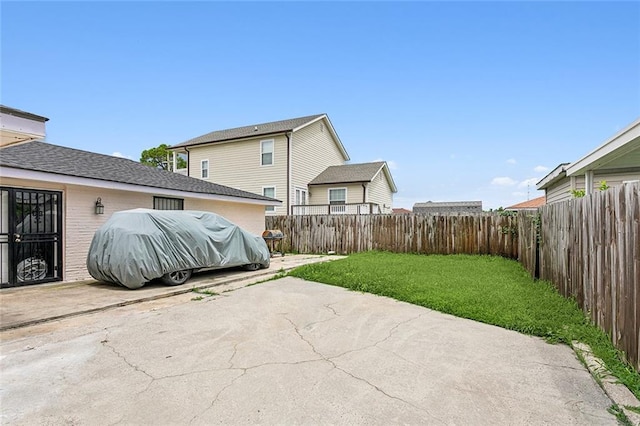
pixel 289 352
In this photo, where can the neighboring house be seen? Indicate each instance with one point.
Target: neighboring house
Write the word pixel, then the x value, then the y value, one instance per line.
pixel 280 159
pixel 19 126
pixel 529 205
pixel 448 207
pixel 53 199
pixel 616 161
pixel 365 188
pixel 401 211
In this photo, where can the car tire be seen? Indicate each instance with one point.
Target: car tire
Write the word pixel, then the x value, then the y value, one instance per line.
pixel 31 269
pixel 177 277
pixel 252 267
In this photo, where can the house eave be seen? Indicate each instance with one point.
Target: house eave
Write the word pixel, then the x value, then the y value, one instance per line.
pixel 622 143
pixel 553 176
pixel 16 173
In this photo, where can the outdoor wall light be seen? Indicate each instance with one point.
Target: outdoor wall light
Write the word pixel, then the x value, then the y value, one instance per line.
pixel 99 206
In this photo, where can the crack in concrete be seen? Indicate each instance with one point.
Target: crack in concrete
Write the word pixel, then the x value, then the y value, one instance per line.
pixel 389 395
pixel 377 388
pixel 557 366
pixel 235 351
pixel 105 343
pixel 328 306
pixel 215 399
pixel 392 331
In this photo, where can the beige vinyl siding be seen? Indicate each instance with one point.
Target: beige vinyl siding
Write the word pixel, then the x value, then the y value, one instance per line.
pixel 238 165
pixel 320 193
pixel 313 150
pixel 80 221
pixel 249 217
pixel 380 193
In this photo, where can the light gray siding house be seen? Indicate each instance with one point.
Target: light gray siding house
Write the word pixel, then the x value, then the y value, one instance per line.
pixel 615 162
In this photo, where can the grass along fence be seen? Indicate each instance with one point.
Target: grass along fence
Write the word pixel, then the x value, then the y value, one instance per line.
pixel 589 248
pixel 344 234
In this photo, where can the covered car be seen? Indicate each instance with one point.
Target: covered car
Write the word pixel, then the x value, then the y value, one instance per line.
pixel 137 246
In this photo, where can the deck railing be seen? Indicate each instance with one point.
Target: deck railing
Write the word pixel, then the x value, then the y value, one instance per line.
pixel 331 209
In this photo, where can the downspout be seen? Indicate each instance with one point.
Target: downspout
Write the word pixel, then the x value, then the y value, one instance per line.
pixel 289 138
pixel 364 195
pixel 188 160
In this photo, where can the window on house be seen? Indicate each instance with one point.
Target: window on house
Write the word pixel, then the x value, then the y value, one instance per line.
pixel 163 203
pixel 338 196
pixel 269 191
pixel 301 197
pixel 204 169
pixel 266 152
pixel 337 200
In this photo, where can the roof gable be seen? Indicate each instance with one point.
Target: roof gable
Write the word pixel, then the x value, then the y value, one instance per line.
pixel 251 131
pixel 263 129
pixel 529 204
pixel 353 173
pixel 48 158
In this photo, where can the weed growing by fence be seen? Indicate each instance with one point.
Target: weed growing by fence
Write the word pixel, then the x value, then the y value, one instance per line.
pixel 490 289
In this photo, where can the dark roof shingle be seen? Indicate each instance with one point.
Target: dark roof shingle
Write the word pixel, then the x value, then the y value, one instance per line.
pixel 249 131
pixel 45 157
pixel 364 172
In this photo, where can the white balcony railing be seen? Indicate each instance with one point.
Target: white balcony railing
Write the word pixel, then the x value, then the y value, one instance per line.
pixel 324 209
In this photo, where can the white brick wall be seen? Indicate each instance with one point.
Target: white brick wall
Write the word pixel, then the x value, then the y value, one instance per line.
pixel 80 221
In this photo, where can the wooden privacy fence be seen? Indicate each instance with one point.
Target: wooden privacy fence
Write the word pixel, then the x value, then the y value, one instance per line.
pixel 590 250
pixel 477 234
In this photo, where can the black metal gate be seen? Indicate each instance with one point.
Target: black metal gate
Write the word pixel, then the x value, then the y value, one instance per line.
pixel 30 236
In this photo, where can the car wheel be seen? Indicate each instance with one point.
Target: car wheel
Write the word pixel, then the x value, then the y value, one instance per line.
pixel 252 267
pixel 176 278
pixel 31 269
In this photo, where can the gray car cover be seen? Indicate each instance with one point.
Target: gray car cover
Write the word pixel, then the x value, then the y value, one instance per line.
pixel 136 246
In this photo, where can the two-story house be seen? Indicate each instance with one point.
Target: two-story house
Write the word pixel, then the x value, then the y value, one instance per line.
pixel 300 161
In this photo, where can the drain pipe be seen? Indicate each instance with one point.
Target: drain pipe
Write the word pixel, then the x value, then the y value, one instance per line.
pixel 288 205
pixel 188 160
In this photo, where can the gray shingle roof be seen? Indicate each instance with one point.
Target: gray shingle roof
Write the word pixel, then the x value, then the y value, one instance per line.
pixel 249 131
pixel 348 173
pixel 45 157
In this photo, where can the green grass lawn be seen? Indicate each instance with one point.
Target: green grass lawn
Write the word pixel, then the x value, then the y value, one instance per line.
pixel 490 289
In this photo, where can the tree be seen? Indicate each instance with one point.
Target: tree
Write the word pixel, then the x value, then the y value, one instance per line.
pixel 159 157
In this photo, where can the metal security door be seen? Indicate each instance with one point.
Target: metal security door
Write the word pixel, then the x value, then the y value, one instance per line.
pixel 30 236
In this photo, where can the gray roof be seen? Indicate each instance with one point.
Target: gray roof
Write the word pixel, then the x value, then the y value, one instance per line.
pixel 45 157
pixel 249 131
pixel 348 173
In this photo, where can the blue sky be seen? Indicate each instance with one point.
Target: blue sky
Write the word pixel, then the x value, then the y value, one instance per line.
pixel 465 100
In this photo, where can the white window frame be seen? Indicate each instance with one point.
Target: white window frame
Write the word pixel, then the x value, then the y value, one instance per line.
pixel 336 189
pixel 204 171
pixel 269 209
pixel 299 191
pixel 263 152
pixel 337 208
